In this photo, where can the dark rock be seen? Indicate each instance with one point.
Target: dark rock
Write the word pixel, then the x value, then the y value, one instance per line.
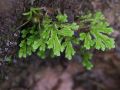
pixel 10 13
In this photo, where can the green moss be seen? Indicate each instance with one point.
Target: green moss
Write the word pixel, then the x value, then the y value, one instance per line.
pixel 43 35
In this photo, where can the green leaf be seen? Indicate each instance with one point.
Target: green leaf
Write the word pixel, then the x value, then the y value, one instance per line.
pixel 30 40
pixel 34 9
pixel 32 12
pixel 86 61
pixel 29 50
pixel 66 31
pixel 36 44
pixel 82 36
pixel 27 13
pixel 61 17
pixel 24 33
pixel 22 51
pixel 74 26
pixel 69 52
pixel 41 54
pixel 54 43
pixel 88 42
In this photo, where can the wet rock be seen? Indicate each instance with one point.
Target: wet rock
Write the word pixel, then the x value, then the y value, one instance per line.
pixel 10 13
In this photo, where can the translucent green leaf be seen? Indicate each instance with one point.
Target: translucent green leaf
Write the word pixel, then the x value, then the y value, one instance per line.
pixel 74 26
pixel 22 51
pixel 87 61
pixel 61 17
pixel 54 43
pixel 27 13
pixel 41 54
pixel 24 33
pixel 66 31
pixel 29 50
pixel 30 40
pixel 82 36
pixel 69 52
pixel 36 44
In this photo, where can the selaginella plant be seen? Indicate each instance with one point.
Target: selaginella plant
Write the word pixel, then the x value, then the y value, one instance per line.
pixel 48 37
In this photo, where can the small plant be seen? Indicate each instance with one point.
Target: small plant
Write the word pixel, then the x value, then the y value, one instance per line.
pixel 51 38
pixel 97 36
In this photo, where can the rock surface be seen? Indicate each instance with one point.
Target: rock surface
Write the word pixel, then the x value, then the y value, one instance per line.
pixel 10 13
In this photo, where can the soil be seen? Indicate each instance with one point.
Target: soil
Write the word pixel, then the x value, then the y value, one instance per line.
pixel 57 74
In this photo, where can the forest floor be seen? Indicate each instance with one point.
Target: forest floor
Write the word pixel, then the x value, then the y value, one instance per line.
pixel 34 74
